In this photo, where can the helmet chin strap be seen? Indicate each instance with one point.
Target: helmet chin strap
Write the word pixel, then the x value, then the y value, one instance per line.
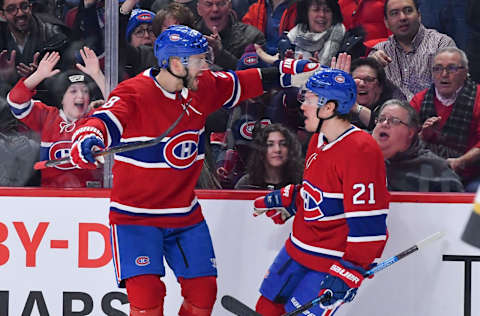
pixel 319 126
pixel 184 78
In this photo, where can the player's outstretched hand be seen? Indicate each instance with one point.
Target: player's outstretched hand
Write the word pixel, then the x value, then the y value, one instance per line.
pixel 341 283
pixel 295 72
pixel 84 143
pixel 279 205
pixel 290 66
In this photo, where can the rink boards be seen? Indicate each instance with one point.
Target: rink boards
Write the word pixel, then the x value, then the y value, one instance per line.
pixel 55 255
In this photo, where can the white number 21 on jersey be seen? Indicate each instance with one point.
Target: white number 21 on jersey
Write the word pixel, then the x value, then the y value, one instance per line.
pixel 360 196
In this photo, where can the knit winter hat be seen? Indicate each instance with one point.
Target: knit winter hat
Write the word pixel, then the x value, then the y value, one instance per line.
pixel 250 60
pixel 138 17
pixel 60 83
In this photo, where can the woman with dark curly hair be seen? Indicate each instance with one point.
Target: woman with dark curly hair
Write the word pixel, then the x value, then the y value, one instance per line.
pixel 275 160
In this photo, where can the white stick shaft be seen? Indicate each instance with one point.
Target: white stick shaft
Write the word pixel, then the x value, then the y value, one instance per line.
pixel 430 239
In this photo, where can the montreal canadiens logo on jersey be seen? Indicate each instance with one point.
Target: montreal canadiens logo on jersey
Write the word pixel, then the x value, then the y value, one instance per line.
pixel 181 151
pixel 312 198
pixel 59 150
pixel 142 261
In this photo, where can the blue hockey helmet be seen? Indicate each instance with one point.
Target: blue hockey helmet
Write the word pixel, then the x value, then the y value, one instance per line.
pixel 333 85
pixel 179 41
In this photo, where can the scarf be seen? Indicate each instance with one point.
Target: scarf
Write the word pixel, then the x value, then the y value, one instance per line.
pixel 454 134
pixel 326 43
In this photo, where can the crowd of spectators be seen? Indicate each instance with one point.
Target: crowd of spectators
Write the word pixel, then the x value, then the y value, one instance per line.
pixel 416 65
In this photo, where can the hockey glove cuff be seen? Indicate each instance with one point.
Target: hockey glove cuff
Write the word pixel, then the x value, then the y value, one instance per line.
pixel 82 151
pixel 279 205
pixel 341 284
pixel 290 70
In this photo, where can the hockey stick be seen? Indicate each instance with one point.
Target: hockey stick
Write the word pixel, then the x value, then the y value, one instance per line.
pixel 379 267
pixel 112 150
pixel 235 306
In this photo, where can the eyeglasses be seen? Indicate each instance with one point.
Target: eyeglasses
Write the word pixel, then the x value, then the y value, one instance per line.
pixel 394 121
pixel 140 32
pixel 13 9
pixel 210 4
pixel 438 69
pixel 366 79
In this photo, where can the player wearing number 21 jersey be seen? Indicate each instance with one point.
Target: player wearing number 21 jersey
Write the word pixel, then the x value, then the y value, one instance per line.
pixel 340 208
pixel 342 202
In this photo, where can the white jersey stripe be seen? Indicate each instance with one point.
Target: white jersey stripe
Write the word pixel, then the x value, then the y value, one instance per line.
pixel 19 106
pixel 333 195
pixel 366 213
pixel 366 238
pixel 325 251
pixel 150 165
pixel 116 252
pixel 46 144
pixel 164 211
pixel 331 218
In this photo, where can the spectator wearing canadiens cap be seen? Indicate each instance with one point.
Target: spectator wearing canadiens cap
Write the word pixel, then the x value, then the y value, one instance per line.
pixel 139 28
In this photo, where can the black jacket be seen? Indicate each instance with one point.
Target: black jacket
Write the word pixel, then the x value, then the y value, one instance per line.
pixel 47 34
pixel 419 170
pixel 235 38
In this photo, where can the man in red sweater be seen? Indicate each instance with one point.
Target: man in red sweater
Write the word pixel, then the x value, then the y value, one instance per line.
pixel 450 113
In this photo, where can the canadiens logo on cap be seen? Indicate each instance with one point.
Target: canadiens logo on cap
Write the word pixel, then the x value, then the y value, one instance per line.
pixel 76 78
pixel 250 60
pixel 339 78
pixel 144 17
pixel 174 37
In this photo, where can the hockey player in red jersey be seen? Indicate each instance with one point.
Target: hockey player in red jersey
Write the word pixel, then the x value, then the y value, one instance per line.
pixel 340 208
pixel 154 213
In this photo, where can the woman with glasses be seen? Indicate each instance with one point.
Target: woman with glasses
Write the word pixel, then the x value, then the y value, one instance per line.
pixel 135 40
pixel 373 88
pixel 139 28
pixel 410 166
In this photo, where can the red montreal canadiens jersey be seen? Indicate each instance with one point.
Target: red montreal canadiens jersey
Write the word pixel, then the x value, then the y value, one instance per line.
pixel 155 185
pixel 56 133
pixel 342 204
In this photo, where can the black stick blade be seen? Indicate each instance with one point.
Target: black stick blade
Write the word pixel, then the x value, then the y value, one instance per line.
pixel 236 307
